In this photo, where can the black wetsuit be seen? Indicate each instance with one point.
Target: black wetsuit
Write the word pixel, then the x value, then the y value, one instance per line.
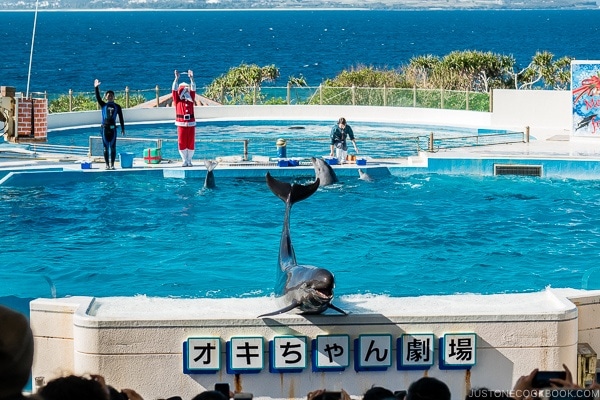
pixel 110 111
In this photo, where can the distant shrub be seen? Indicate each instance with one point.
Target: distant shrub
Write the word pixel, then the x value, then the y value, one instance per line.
pixel 83 102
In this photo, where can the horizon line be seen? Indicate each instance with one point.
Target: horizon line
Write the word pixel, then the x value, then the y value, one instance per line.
pixel 111 9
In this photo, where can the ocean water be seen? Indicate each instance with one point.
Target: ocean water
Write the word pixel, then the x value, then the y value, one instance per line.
pixel 141 49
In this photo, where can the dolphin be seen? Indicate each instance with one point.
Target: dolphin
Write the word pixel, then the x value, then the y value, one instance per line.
pixel 209 181
pixel 305 287
pixel 586 121
pixel 325 174
pixel 364 176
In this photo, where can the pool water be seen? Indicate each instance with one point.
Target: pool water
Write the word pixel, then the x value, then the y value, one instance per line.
pixel 304 138
pixel 397 236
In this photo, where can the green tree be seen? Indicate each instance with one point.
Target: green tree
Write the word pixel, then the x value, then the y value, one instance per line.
pixel 241 84
pixel 83 102
pixel 460 70
pixel 544 72
pixel 298 81
pixel 363 76
pixel 419 70
pixel 78 102
pixel 359 85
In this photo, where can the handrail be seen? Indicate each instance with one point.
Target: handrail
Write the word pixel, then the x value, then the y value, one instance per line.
pixel 485 139
pixel 308 95
pixel 58 149
pixel 306 147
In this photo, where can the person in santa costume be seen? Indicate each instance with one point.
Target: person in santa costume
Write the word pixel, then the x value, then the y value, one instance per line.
pixel 184 97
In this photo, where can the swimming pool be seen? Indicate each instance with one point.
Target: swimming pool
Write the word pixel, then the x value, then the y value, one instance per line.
pixel 397 236
pixel 304 138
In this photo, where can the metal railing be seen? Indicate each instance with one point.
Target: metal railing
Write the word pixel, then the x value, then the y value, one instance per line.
pixel 245 149
pixel 432 144
pixel 125 144
pixel 58 149
pixel 293 95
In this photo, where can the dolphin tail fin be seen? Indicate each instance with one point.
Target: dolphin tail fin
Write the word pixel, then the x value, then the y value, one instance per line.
pixel 283 310
pixel 210 164
pixel 292 193
pixel 337 309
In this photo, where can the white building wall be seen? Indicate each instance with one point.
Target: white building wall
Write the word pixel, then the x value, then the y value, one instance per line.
pixel 512 109
pixel 542 110
pixel 309 113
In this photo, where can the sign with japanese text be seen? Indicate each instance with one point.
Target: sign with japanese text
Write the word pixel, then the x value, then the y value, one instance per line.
pixel 245 354
pixel 331 353
pixel 288 354
pixel 457 350
pixel 373 352
pixel 203 354
pixel 415 351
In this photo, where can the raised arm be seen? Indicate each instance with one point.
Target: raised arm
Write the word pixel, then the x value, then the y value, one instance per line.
pixel 176 81
pixel 97 92
pixel 192 82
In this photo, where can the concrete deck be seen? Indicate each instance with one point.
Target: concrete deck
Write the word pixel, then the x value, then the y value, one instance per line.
pixel 559 154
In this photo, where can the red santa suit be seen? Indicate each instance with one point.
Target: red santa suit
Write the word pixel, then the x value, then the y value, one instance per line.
pixel 183 101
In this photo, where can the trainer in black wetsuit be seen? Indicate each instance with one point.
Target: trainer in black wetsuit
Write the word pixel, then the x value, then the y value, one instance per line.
pixel 110 111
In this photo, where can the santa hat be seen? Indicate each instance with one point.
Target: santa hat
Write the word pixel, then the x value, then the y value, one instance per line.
pixel 182 86
pixel 16 351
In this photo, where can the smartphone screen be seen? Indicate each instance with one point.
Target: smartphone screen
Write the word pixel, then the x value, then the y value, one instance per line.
pixel 542 378
pixel 243 396
pixel 331 395
pixel 223 388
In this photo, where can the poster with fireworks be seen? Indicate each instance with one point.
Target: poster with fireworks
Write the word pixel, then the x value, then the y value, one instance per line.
pixel 585 88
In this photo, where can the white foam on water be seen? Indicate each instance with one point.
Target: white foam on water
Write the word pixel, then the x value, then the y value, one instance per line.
pixel 159 308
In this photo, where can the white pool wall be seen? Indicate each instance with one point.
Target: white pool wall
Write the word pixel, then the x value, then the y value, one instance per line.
pixel 137 342
pixel 541 110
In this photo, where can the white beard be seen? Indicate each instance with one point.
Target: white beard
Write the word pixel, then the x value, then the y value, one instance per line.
pixel 185 96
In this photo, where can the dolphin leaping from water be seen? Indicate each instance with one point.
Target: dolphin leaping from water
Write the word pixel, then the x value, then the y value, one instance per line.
pixel 323 171
pixel 307 288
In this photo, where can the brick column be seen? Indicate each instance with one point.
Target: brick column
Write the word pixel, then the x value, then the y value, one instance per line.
pixel 25 120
